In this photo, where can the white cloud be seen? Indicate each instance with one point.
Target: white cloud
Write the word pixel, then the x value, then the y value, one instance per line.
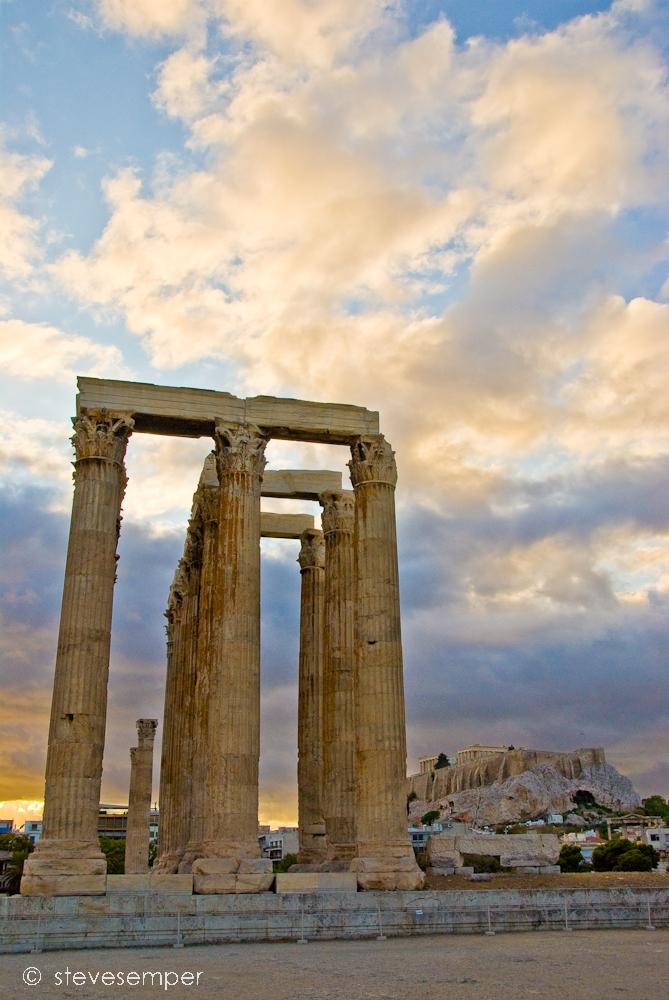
pixel 41 351
pixel 19 247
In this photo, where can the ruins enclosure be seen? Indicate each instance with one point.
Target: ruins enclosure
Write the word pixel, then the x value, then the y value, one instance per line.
pixel 351 742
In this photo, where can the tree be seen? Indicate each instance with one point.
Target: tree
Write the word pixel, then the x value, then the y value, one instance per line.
pixel 570 859
pixel 655 805
pixel 430 817
pixel 20 848
pixel 621 855
pixel 286 862
pixel 442 761
pixel 114 850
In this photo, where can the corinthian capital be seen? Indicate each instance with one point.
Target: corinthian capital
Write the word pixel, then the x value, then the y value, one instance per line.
pixel 146 730
pixel 338 510
pixel 240 448
pixel 372 461
pixel 312 549
pixel 101 434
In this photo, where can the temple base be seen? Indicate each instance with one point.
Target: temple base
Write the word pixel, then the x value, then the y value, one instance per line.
pixel 225 875
pixel 49 875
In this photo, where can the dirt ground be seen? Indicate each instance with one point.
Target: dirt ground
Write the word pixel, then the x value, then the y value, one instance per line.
pixel 586 880
pixel 585 965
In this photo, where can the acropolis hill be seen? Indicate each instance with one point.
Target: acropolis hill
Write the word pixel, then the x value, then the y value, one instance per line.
pixel 499 786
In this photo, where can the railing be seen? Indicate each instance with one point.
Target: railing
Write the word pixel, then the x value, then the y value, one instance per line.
pixel 303 924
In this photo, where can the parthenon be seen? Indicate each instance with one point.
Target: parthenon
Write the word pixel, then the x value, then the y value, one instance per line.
pixel 351 728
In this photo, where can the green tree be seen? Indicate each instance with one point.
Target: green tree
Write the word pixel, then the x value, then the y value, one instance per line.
pixel 442 761
pixel 570 859
pixel 613 856
pixel 286 862
pixel 430 817
pixel 20 848
pixel 634 861
pixel 114 850
pixel 655 805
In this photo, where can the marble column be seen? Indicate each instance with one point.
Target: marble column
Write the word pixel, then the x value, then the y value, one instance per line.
pixel 138 831
pixel 385 856
pixel 339 731
pixel 68 859
pixel 310 699
pixel 230 860
pixel 207 501
pixel 176 768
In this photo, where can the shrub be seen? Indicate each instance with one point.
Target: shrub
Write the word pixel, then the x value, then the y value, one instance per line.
pixel 430 817
pixel 285 863
pixel 570 859
pixel 634 861
pixel 483 862
pixel 114 850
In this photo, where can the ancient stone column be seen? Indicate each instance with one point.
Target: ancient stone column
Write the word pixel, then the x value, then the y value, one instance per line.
pixel 68 857
pixel 385 856
pixel 176 768
pixel 138 832
pixel 339 731
pixel 230 860
pixel 208 503
pixel 310 699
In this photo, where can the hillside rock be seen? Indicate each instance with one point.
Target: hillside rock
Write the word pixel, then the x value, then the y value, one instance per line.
pixel 533 792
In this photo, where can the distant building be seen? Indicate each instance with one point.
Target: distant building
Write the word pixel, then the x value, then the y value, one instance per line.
pixel 419 833
pixel 113 822
pixel 427 764
pixel 658 837
pixel 477 752
pixel 587 840
pixel 32 829
pixel 632 825
pixel 6 825
pixel 276 844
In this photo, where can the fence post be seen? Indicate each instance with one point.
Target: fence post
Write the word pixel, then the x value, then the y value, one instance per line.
pixel 649 926
pixel 301 939
pixel 37 946
pixel 566 916
pixel 179 940
pixel 490 932
pixel 380 936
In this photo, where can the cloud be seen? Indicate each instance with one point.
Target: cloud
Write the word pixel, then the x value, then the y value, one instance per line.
pixel 151 18
pixel 19 247
pixel 41 351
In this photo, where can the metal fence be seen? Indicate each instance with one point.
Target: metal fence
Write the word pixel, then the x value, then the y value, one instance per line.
pixel 50 931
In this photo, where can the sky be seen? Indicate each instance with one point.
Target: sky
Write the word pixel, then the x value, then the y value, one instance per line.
pixel 453 212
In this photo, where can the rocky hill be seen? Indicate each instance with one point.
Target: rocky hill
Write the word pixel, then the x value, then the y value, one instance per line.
pixel 520 785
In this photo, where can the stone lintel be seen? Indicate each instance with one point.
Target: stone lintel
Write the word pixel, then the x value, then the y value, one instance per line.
pixel 284 525
pixel 183 412
pixel 285 484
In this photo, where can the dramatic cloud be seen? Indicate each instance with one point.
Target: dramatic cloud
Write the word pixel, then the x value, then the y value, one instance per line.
pixel 19 246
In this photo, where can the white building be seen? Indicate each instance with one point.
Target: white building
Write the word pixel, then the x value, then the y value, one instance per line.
pixel 276 844
pixel 657 837
pixel 32 829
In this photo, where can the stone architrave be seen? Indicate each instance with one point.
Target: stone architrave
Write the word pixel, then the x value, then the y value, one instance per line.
pixel 339 728
pixel 68 859
pixel 310 699
pixel 230 675
pixel 385 857
pixel 176 772
pixel 138 833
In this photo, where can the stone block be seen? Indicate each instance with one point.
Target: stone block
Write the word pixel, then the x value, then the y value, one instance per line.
pixel 63 885
pixel 232 883
pixel 527 870
pixel 316 882
pixel 128 883
pixel 159 882
pixel 550 870
pixel 298 484
pixel 465 870
pixel 255 866
pixel 215 866
pixel 284 525
pixel 440 871
pixel 403 864
pixel 391 880
pixel 480 877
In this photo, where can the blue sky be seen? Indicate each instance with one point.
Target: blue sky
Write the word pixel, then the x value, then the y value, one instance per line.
pixel 452 212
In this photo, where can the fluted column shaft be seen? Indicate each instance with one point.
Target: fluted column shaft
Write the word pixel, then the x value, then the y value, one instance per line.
pixel 79 703
pixel 233 666
pixel 339 729
pixel 138 829
pixel 381 739
pixel 176 767
pixel 310 699
pixel 208 502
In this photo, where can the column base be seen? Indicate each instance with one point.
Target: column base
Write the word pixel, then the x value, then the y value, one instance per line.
pixel 390 872
pixel 167 864
pixel 226 875
pixel 50 874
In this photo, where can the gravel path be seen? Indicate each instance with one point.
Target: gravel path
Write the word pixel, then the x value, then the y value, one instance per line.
pixel 585 965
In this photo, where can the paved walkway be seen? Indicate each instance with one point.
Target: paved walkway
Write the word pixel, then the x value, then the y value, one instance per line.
pixel 584 965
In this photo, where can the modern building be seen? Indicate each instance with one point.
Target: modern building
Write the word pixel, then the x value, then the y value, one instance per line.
pixel 6 826
pixel 587 840
pixel 276 844
pixel 113 822
pixel 32 829
pixel 658 837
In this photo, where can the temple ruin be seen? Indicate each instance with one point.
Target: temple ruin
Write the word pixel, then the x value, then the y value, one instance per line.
pixel 351 742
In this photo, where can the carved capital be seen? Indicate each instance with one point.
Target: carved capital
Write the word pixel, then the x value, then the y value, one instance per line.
pixel 240 448
pixel 146 730
pixel 208 500
pixel 372 461
pixel 178 588
pixel 101 434
pixel 312 549
pixel 338 511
